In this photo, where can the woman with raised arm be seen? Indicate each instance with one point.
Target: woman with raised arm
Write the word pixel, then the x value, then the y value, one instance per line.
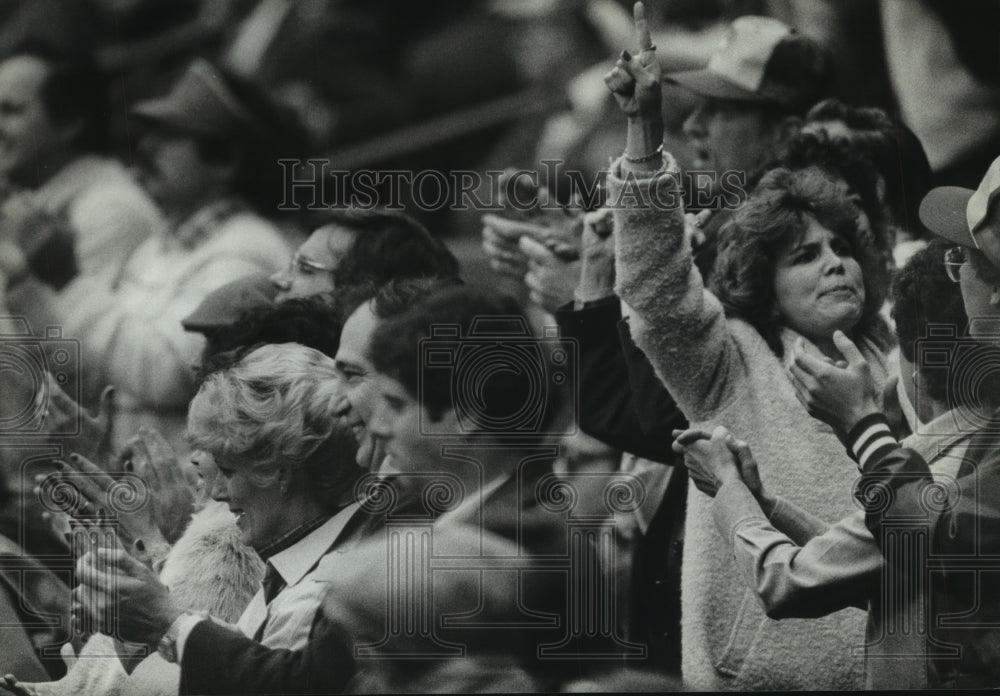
pixel 793 268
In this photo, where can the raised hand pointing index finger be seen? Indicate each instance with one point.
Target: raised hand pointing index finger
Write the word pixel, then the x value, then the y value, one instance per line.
pixel 645 43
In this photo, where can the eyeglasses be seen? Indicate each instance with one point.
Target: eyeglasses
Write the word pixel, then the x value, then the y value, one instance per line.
pixel 308 266
pixel 954 259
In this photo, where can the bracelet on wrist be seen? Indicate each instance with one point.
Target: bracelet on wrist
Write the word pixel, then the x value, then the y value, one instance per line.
pixel 656 154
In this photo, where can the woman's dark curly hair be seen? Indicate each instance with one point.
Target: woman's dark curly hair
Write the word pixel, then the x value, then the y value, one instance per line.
pixel 776 214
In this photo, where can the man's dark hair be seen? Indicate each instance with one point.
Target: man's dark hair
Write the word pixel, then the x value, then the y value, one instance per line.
pixel 75 90
pixel 396 352
pixel 893 149
pixel 388 245
pixel 310 321
pixel 388 299
pixel 922 294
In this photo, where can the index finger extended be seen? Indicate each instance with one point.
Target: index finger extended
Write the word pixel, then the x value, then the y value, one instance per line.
pixel 641 26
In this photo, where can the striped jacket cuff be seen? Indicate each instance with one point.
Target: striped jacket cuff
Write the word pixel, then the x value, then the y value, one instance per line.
pixel 870 440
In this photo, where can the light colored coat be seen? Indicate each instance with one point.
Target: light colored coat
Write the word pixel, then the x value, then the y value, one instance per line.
pixel 131 335
pixel 722 372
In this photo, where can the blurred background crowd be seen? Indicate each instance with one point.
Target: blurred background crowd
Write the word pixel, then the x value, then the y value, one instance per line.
pixel 217 402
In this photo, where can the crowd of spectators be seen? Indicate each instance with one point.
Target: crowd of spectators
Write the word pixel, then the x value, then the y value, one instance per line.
pixel 710 405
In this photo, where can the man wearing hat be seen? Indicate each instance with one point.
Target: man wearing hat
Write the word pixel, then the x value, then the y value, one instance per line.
pixel 756 87
pixel 959 522
pixel 199 156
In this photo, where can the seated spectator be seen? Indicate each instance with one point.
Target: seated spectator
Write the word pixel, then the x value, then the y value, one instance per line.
pixel 208 569
pixel 793 268
pixel 201 144
pixel 69 207
pixel 363 246
pixel 285 468
pixel 223 307
pixel 497 501
pixel 309 321
pixel 798 565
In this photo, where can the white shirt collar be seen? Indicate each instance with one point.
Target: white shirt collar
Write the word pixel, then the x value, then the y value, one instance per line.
pixel 298 559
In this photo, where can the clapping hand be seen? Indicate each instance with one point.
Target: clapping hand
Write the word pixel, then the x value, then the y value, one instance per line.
pixel 152 458
pixel 838 393
pixel 553 281
pixel 128 501
pixel 529 211
pixel 60 413
pixel 544 253
pixel 550 279
pixel 112 583
pixel 151 502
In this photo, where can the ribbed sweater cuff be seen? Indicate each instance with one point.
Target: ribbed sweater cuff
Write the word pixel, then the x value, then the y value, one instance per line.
pixel 870 440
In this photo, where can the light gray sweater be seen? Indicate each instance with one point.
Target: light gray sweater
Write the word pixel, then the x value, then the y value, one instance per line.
pixel 722 372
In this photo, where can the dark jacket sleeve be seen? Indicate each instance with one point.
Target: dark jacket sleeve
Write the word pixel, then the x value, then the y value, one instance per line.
pixel 948 527
pixel 218 660
pixel 656 410
pixel 897 489
pixel 608 410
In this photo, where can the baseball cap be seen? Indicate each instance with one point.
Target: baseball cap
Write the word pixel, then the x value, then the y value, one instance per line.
pixel 201 103
pixel 762 59
pixel 959 214
pixel 223 306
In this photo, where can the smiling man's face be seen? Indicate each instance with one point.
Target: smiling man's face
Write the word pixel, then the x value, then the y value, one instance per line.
pixel 355 365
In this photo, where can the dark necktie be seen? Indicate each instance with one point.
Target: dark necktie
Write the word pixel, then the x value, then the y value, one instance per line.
pixel 273 583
